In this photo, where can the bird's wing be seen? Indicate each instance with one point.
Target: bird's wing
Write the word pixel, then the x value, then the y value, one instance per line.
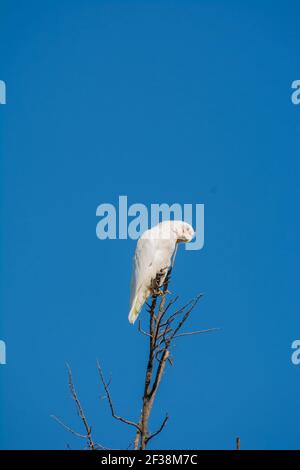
pixel 151 255
pixel 142 266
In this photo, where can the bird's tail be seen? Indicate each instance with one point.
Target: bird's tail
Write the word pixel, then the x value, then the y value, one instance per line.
pixel 135 310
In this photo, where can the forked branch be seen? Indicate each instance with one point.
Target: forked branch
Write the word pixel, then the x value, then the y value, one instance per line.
pixel 164 329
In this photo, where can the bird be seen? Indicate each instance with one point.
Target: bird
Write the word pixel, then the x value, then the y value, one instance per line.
pixel 153 255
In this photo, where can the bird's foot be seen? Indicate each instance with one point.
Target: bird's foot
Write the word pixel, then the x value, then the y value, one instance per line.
pixel 157 292
pixel 160 292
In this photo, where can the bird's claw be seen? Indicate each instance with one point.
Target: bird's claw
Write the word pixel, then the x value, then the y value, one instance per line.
pixel 159 292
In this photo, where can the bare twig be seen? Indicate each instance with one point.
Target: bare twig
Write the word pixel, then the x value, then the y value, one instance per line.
pixel 88 436
pixel 159 430
pixel 141 329
pixel 80 409
pixel 72 431
pixel 189 333
pixel 119 418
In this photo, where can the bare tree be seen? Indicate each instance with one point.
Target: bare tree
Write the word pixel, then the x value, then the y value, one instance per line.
pixel 164 328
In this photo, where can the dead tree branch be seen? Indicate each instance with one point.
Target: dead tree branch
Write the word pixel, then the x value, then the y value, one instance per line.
pixel 154 434
pixel 106 388
pixel 162 332
pixel 164 328
pixel 88 436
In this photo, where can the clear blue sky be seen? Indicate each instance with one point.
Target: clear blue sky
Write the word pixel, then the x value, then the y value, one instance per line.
pixel 179 101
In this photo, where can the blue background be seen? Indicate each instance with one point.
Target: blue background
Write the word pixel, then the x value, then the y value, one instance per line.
pixel 176 101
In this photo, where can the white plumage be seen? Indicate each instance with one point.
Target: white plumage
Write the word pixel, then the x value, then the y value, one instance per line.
pixel 153 253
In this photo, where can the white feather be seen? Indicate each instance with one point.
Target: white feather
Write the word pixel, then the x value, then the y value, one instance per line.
pixel 153 253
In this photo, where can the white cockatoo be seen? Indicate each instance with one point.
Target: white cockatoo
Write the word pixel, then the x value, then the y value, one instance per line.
pixel 153 255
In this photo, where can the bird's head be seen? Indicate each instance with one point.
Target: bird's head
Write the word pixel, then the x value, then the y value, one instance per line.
pixel 184 231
